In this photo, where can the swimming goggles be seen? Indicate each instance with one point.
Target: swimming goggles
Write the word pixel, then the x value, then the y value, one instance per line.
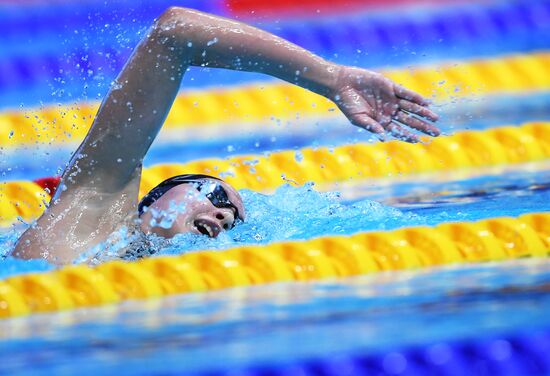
pixel 212 190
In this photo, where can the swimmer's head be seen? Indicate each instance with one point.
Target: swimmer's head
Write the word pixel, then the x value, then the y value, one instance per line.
pixel 199 204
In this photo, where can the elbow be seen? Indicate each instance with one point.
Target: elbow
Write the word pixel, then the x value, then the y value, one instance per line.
pixel 176 27
pixel 171 20
pixel 171 14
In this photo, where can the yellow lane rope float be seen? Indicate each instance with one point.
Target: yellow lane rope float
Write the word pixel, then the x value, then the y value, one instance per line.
pixel 497 146
pixel 321 258
pixel 264 101
pixel 502 145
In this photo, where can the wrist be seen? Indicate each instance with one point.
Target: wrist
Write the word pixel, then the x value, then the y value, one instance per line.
pixel 325 81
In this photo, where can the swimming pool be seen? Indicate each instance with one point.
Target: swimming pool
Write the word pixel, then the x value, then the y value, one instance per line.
pixel 420 309
pixel 461 319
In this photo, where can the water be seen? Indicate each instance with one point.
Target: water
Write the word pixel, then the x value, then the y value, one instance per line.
pixel 295 213
pixel 290 213
pixel 180 146
pixel 285 323
pixel 282 323
pixel 88 45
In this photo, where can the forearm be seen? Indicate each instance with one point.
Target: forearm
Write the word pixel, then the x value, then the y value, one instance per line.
pixel 217 42
pixel 133 112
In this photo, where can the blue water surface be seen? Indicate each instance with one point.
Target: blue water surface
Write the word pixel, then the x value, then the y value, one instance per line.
pixel 186 144
pixel 292 322
pixel 74 51
pixel 278 324
pixel 297 213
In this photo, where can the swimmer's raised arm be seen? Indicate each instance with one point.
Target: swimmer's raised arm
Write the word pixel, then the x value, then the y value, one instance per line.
pixel 135 108
pixel 133 112
pixel 368 99
pixel 99 187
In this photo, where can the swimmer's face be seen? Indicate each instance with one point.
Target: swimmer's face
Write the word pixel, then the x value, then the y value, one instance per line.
pixel 185 209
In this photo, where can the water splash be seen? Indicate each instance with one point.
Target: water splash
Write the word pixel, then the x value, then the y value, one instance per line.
pixel 291 213
pixel 10 266
pixel 294 213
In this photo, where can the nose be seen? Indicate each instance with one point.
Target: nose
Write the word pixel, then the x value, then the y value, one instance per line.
pixel 225 218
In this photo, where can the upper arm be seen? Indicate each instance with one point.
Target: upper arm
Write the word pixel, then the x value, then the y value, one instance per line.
pixel 100 185
pixel 77 220
pixel 130 116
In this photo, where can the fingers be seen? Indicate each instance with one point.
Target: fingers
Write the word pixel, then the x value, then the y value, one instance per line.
pixel 410 95
pixel 389 113
pixel 358 110
pixel 416 123
pixel 401 133
pixel 415 104
pixel 418 110
pixel 366 122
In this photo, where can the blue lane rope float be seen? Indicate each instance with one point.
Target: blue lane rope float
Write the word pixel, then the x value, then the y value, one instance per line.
pixel 458 23
pixel 521 353
pixel 516 74
pixel 483 29
pixel 40 19
pixel 522 24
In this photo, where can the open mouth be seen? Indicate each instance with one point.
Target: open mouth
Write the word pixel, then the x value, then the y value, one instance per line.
pixel 206 227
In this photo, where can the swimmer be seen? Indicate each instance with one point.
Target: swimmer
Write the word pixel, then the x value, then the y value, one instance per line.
pixel 98 192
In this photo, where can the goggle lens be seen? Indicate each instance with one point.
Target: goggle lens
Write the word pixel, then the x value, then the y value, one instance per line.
pixel 217 195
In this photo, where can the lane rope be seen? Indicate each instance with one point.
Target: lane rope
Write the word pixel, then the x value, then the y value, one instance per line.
pixel 468 149
pixel 525 352
pixel 264 101
pixel 327 257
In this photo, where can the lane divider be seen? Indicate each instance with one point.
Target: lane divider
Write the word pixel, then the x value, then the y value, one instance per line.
pixel 265 101
pixel 466 26
pixel 498 27
pixel 524 351
pixel 21 201
pixel 77 286
pixel 502 145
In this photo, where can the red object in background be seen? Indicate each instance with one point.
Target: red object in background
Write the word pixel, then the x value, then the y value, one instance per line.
pixel 50 183
pixel 252 8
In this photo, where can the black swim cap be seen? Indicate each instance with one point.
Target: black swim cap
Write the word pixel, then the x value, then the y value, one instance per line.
pixel 218 197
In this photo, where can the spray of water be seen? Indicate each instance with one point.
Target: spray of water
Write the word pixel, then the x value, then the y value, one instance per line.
pixel 291 213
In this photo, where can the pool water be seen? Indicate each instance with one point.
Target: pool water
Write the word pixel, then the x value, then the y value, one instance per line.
pixel 285 325
pixel 295 213
pixel 300 329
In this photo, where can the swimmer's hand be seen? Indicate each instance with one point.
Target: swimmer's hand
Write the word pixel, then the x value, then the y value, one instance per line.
pixel 379 105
